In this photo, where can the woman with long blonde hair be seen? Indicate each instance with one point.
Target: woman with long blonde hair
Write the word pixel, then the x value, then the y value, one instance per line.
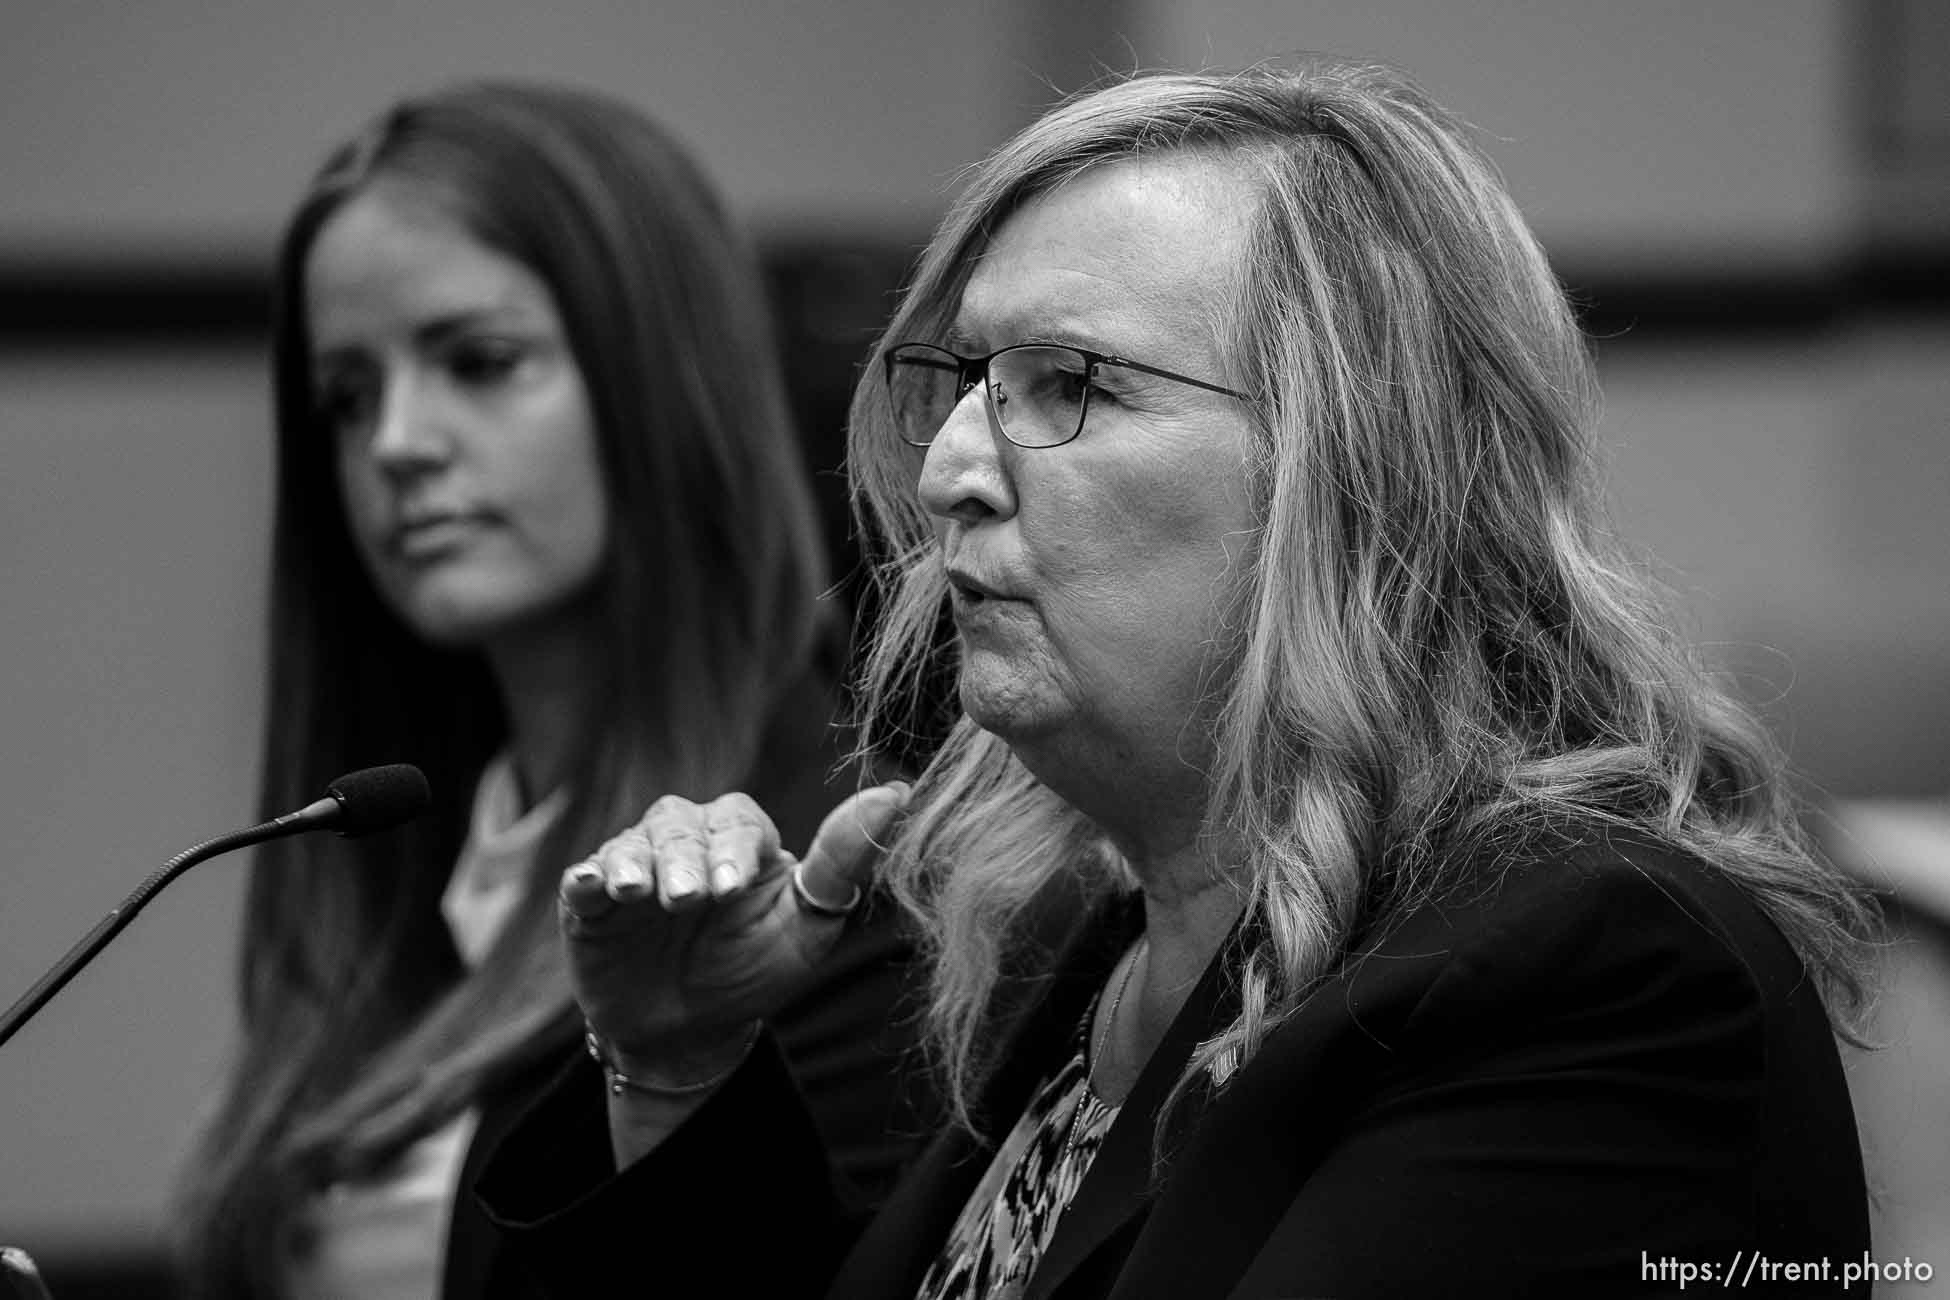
pixel 1450 930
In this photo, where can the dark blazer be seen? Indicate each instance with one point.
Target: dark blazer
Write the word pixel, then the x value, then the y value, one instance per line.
pixel 1598 1059
pixel 854 1064
pixel 850 1037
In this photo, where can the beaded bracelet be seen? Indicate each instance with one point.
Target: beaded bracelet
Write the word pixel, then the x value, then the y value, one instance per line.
pixel 619 1082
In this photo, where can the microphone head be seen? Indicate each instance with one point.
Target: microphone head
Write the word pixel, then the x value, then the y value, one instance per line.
pixel 378 798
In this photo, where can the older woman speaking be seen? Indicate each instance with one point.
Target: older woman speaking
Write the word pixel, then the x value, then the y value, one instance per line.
pixel 1448 929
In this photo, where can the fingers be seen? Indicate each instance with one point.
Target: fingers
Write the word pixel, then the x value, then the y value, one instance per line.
pixel 850 840
pixel 741 840
pixel 686 854
pixel 683 853
pixel 679 843
pixel 584 893
pixel 710 852
pixel 617 873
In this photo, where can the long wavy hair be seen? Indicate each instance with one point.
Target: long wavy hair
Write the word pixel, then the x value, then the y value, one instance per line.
pixel 360 1030
pixel 1434 639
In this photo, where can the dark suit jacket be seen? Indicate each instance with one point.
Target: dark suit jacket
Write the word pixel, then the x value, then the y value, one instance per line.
pixel 850 1037
pixel 854 1067
pixel 1598 1059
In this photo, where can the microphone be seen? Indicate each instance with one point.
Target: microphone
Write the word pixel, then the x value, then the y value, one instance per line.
pixel 359 803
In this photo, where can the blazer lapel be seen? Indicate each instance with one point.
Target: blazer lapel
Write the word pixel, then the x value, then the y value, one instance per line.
pixel 894 1253
pixel 1117 1186
pixel 1232 1180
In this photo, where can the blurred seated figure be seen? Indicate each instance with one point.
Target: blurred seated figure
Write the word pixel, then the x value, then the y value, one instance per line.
pixel 1901 848
pixel 543 529
pixel 20 1275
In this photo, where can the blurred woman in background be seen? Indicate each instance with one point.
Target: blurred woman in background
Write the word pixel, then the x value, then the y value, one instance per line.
pixel 542 529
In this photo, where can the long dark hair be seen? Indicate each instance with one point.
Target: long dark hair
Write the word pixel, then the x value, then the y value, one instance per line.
pixel 360 1030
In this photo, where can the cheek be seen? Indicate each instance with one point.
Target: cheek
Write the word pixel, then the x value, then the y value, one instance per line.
pixel 588 542
pixel 1137 567
pixel 574 506
pixel 363 497
pixel 1141 531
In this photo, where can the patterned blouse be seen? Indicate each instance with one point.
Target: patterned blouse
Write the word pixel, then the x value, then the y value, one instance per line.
pixel 1012 1213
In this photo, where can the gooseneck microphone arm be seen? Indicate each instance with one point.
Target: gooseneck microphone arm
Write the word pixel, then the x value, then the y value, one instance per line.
pixel 111 925
pixel 371 799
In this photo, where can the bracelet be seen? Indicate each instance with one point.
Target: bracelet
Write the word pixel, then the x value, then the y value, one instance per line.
pixel 619 1082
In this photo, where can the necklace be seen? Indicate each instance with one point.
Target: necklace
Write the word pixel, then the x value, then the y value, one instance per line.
pixel 1097 1052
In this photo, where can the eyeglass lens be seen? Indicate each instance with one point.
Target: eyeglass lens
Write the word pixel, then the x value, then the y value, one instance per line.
pixel 1037 392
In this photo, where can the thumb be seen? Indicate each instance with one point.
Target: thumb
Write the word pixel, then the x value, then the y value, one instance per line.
pixel 851 840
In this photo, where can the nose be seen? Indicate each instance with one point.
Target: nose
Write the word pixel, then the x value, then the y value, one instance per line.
pixel 967 474
pixel 408 434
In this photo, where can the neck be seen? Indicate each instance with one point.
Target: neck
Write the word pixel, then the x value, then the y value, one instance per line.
pixel 1190 904
pixel 544 676
pixel 1191 899
pixel 1184 930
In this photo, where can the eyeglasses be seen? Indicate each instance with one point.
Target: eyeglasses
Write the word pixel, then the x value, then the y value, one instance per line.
pixel 1040 392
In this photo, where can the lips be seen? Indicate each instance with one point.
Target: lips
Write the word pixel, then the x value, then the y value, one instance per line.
pixel 433 533
pixel 981 601
pixel 970 588
pixel 967 586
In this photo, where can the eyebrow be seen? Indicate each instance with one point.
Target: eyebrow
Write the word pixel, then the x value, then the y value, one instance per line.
pixel 960 338
pixel 442 329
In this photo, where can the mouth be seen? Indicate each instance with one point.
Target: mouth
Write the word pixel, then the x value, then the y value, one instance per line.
pixel 427 536
pixel 971 590
pixel 977 604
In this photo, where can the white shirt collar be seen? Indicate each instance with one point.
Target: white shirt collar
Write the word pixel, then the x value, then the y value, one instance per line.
pixel 494 865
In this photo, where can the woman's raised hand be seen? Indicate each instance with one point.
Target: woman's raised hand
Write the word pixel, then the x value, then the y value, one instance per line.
pixel 692 925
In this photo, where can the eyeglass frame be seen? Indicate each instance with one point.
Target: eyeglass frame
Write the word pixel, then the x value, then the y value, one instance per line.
pixel 978 367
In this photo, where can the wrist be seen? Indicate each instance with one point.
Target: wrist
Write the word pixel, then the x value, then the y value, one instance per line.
pixel 688 1072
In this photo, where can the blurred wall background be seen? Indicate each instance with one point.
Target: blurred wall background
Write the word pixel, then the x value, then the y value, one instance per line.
pixel 1747 195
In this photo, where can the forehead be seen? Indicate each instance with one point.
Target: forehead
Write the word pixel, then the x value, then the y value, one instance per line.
pixel 1134 256
pixel 394 258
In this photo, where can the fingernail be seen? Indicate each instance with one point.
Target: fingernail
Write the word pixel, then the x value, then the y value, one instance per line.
pixel 682 884
pixel 630 887
pixel 725 878
pixel 585 873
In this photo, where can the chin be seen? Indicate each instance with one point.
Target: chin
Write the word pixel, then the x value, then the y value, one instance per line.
pixel 468 620
pixel 1008 704
pixel 450 629
pixel 447 634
